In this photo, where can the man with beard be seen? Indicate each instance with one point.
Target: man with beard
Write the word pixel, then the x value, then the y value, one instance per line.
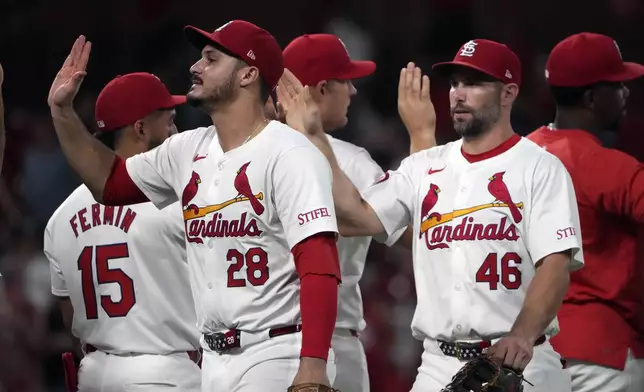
pixel 258 211
pixel 495 227
pixel 602 317
pixel 110 267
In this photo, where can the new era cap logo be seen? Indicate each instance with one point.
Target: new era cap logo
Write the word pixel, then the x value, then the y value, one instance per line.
pixel 468 49
pixel 250 54
pixel 508 74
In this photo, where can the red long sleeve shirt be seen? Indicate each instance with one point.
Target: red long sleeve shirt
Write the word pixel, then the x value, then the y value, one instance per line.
pixel 603 312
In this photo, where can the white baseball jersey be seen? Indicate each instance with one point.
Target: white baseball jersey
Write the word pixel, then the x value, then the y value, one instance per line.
pixel 479 230
pixel 357 165
pixel 125 271
pixel 244 210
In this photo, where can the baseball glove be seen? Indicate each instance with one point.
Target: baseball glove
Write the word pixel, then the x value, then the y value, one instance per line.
pixel 482 374
pixel 310 387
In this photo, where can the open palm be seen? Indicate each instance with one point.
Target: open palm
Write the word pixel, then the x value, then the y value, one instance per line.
pixel 69 78
pixel 300 109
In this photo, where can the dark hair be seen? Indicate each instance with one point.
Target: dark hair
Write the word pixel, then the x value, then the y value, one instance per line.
pixel 567 97
pixel 110 138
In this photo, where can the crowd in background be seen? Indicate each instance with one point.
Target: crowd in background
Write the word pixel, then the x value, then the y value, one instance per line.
pixel 146 35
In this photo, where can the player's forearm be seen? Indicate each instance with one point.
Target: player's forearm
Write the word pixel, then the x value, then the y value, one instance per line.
pixel 544 297
pixel 86 155
pixel 355 217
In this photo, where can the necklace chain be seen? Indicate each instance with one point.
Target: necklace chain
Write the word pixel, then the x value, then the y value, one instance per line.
pixel 255 132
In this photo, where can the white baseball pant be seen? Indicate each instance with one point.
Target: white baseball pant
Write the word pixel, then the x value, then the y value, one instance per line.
pixel 269 365
pixel 544 371
pixel 101 372
pixel 589 377
pixel 351 362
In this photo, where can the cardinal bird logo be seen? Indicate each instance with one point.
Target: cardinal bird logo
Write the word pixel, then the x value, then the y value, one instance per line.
pixel 499 190
pixel 429 202
pixel 190 191
pixel 243 187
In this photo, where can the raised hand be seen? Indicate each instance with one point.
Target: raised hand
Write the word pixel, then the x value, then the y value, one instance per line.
pixel 415 107
pixel 300 109
pixel 69 78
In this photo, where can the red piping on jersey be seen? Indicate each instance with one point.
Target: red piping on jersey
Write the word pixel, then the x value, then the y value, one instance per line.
pixel 498 150
pixel 119 188
pixel 317 265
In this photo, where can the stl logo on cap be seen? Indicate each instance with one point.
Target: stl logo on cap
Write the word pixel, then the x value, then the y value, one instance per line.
pixel 468 49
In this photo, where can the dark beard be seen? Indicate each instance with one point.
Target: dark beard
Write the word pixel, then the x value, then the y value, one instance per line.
pixel 482 121
pixel 221 96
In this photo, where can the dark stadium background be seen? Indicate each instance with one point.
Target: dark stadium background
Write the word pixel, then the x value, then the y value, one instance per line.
pixel 146 35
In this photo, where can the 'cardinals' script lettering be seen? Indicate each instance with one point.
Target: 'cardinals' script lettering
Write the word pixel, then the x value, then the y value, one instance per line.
pixel 196 229
pixel 467 230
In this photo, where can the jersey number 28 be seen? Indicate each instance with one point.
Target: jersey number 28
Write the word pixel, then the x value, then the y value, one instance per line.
pixel 509 274
pixel 100 256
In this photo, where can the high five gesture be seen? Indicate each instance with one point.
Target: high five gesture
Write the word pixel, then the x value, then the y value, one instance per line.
pixel 69 78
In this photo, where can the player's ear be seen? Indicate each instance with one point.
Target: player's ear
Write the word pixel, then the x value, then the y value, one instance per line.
pixel 509 93
pixel 139 129
pixel 248 76
pixel 321 87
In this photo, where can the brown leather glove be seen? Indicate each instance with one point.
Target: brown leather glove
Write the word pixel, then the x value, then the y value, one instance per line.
pixel 310 387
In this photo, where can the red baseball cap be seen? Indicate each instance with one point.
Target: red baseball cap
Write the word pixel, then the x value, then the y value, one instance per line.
pixel 128 98
pixel 254 45
pixel 587 58
pixel 491 58
pixel 316 57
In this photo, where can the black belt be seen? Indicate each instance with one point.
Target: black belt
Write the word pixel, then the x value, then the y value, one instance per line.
pixel 225 341
pixel 464 351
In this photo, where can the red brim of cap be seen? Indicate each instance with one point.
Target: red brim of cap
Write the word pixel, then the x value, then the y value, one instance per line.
pixel 200 39
pixel 177 100
pixel 447 67
pixel 359 69
pixel 629 72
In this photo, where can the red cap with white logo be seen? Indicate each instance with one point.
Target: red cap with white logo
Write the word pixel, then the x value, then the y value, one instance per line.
pixel 129 98
pixel 490 57
pixel 254 45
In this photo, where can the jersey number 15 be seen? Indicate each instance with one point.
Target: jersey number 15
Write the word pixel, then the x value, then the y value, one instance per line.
pixel 100 255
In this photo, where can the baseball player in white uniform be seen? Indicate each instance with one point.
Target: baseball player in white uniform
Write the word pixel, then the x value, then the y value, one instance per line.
pixel 323 62
pixel 258 214
pixel 496 228
pixel 124 269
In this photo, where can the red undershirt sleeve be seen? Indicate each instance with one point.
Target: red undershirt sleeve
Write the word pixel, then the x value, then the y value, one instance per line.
pixel 318 266
pixel 119 188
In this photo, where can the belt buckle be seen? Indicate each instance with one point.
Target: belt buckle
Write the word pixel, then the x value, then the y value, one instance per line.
pixel 223 342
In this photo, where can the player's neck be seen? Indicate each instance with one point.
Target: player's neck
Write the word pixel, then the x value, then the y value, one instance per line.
pixel 574 119
pixel 237 122
pixel 489 140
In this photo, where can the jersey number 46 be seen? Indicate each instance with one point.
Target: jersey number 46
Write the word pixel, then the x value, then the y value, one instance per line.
pixel 509 275
pixel 100 256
